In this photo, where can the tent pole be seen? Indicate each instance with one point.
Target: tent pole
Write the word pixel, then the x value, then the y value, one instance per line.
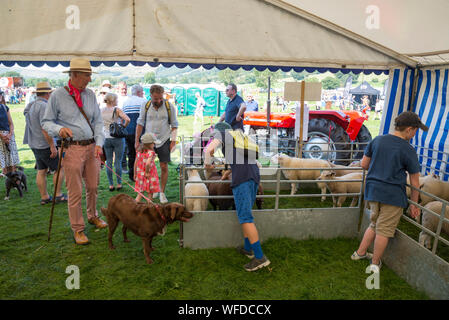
pixel 415 87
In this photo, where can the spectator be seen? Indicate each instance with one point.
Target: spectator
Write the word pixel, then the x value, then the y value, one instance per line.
pixel 113 146
pixel 131 107
pixel 379 108
pixel 251 104
pixel 9 157
pixel 100 99
pixel 159 117
pixel 387 159
pixel 199 110
pixel 235 108
pixel 63 117
pixel 145 173
pixel 122 96
pixel 244 184
pixel 42 145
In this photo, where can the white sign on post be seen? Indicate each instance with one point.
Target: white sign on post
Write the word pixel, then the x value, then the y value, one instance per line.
pixel 305 127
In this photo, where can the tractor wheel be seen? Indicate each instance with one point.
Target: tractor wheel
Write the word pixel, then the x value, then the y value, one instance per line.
pixel 327 141
pixel 363 138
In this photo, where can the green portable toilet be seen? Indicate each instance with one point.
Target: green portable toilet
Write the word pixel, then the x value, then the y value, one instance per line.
pixel 146 93
pixel 223 101
pixel 180 99
pixel 191 100
pixel 210 95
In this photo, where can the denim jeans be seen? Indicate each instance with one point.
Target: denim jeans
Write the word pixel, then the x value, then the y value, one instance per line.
pixel 114 146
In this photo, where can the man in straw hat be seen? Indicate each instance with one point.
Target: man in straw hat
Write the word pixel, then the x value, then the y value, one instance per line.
pixel 42 144
pixel 84 133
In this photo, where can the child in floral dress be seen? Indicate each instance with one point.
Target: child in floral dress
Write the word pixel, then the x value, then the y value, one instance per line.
pixel 145 171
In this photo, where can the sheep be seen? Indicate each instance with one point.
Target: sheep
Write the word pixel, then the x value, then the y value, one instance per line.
pixel 342 187
pixel 220 189
pixel 422 181
pixel 289 162
pixel 431 221
pixel 196 189
pixel 436 187
pixel 340 173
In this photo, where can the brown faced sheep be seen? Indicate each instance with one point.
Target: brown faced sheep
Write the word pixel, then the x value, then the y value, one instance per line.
pixel 431 221
pixel 342 187
pixel 288 162
pixel 220 189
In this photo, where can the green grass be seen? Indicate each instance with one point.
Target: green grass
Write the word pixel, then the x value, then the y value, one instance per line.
pixel 32 268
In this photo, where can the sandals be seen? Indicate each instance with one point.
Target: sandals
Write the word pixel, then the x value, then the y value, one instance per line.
pixel 45 201
pixel 61 198
pixel 111 189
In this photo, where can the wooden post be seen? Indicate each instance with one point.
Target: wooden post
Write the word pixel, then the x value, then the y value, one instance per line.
pixel 301 127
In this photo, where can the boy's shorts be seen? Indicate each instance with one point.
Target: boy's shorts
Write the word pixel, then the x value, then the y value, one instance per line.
pixel 163 152
pixel 384 218
pixel 244 197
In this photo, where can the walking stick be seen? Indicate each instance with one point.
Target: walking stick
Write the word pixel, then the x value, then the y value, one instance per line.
pixel 56 188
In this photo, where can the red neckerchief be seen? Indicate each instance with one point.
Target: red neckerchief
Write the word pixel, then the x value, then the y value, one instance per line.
pixel 77 93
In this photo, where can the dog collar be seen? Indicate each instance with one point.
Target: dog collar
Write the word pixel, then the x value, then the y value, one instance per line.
pixel 158 209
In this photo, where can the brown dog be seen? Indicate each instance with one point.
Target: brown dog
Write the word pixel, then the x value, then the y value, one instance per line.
pixel 145 220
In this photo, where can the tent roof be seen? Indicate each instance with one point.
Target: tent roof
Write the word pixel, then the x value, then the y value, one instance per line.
pixel 364 88
pixel 232 33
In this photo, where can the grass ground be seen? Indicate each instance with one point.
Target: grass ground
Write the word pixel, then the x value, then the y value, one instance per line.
pixel 33 268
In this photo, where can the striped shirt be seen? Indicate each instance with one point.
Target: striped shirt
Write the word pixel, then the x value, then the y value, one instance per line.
pixel 63 112
pixel 131 107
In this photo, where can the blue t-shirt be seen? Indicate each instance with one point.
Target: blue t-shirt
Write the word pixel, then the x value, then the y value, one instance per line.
pixel 246 171
pixel 252 105
pixel 391 157
pixel 232 109
pixel 4 123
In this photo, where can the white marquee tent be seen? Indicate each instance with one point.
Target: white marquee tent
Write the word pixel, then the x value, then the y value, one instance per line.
pixel 406 38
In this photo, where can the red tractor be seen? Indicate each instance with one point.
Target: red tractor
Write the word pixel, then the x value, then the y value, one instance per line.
pixel 338 136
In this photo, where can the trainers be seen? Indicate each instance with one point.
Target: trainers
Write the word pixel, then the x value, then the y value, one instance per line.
pixel 244 252
pixel 99 224
pixel 356 256
pixel 155 195
pixel 375 267
pixel 256 264
pixel 163 198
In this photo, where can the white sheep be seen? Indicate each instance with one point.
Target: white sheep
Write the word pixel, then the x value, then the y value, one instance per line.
pixel 348 169
pixel 422 180
pixel 288 162
pixel 431 221
pixel 342 187
pixel 436 187
pixel 196 189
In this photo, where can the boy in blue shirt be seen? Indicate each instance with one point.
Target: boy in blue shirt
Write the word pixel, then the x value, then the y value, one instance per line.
pixel 387 159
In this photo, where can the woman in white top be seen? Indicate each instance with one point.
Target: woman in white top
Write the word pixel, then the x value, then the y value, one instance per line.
pixel 113 145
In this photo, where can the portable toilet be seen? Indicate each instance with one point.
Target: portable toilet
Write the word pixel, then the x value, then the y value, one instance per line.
pixel 180 99
pixel 210 95
pixel 223 101
pixel 191 100
pixel 146 92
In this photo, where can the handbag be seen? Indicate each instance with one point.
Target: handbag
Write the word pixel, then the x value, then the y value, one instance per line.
pixel 116 130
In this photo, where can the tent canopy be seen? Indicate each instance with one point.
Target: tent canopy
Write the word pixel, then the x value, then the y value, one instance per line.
pixel 199 32
pixel 365 88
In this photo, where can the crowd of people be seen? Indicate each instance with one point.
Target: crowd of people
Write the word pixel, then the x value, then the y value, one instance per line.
pixel 75 119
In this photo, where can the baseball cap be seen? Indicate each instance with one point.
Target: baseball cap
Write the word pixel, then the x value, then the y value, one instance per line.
pixel 409 119
pixel 149 138
pixel 222 126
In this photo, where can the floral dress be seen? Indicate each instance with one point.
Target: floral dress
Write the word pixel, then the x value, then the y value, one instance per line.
pixel 151 184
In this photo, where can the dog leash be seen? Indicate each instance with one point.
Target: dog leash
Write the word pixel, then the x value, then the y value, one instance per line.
pixel 149 200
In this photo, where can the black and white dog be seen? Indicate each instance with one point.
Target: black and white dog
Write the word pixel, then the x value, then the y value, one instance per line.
pixel 16 179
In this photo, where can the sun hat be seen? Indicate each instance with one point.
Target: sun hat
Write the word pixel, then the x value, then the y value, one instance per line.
pixel 106 83
pixel 409 119
pixel 149 137
pixel 42 87
pixel 105 90
pixel 80 65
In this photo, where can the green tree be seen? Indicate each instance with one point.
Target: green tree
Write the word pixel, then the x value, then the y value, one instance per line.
pixel 298 76
pixel 312 79
pixel 330 83
pixel 149 77
pixel 227 76
pixel 262 78
pixel 10 74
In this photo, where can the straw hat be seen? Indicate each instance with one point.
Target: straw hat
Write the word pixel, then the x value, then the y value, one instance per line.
pixel 42 87
pixel 149 137
pixel 80 65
